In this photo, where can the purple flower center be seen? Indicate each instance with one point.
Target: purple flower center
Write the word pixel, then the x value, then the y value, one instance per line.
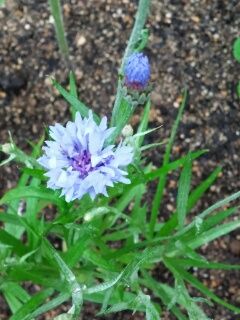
pixel 82 163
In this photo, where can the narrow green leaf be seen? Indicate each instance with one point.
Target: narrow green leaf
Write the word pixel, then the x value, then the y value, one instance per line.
pixel 11 219
pixel 208 211
pixel 73 90
pixel 197 193
pixel 159 173
pixel 127 298
pixel 164 292
pixel 56 11
pixel 152 145
pixel 143 124
pixel 31 305
pixel 203 264
pixel 75 252
pixel 77 105
pixel 238 89
pixel 151 311
pixel 202 288
pixel 15 295
pixel 104 286
pixel 16 290
pixel 33 192
pixel 45 277
pixel 162 181
pixel 16 245
pixel 125 112
pixel 183 191
pixel 55 302
pixel 31 216
pixel 213 233
pixel 105 302
pixel 73 86
pixel 236 49
pixel 12 301
pixel 204 225
pixel 36 173
pixel 74 286
pixel 150 176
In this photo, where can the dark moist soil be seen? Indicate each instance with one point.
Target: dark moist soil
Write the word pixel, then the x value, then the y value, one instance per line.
pixel 190 46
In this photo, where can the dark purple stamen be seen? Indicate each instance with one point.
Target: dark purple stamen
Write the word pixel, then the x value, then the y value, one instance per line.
pixel 82 163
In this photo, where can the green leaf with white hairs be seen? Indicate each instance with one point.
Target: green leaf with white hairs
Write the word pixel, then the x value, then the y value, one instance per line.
pixel 104 286
pixel 208 211
pixel 16 154
pixel 213 233
pixel 164 292
pixel 151 312
pixel 182 296
pixel 202 288
pixel 68 275
pixel 202 225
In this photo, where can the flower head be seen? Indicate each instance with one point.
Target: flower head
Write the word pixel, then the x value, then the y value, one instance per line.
pixel 137 71
pixel 78 163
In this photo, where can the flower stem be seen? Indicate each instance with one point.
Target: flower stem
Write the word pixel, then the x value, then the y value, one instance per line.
pixel 56 11
pixel 140 20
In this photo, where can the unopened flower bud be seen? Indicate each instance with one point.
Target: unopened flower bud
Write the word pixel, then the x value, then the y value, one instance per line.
pixel 137 71
pixel 127 131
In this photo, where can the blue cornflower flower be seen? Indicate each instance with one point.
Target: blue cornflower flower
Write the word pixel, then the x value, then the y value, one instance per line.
pixel 137 71
pixel 78 163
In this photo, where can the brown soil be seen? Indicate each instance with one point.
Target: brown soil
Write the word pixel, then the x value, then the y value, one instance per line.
pixel 190 45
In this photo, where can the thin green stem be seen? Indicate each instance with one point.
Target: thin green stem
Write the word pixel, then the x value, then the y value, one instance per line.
pixel 140 20
pixel 162 181
pixel 55 6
